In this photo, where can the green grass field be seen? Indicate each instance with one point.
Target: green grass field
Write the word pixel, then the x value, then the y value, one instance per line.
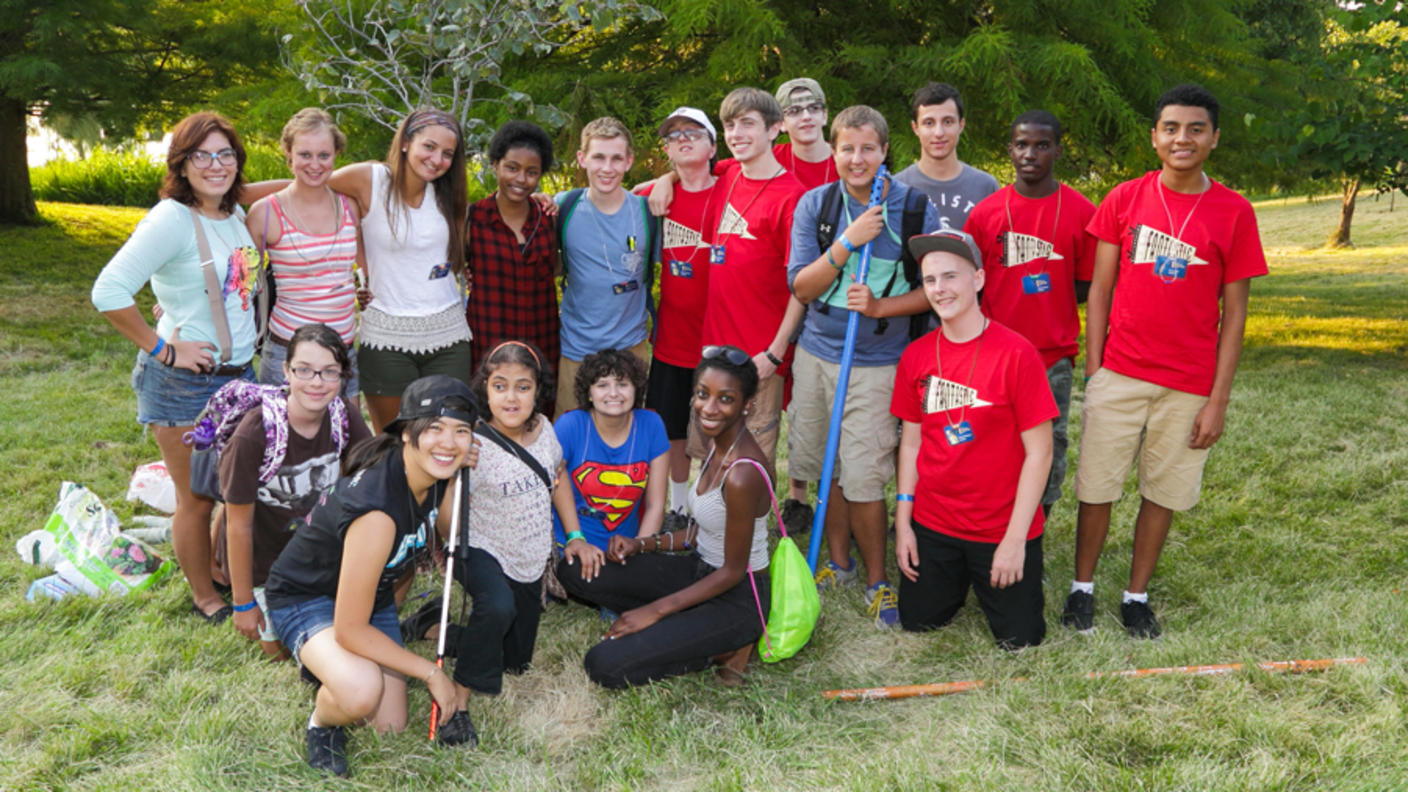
pixel 1296 551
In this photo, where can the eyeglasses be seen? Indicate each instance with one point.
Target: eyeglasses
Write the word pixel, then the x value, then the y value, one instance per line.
pixel 326 375
pixel 814 108
pixel 203 159
pixel 595 514
pixel 684 134
pixel 732 354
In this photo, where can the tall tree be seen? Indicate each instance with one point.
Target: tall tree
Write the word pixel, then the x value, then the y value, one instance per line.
pixel 124 62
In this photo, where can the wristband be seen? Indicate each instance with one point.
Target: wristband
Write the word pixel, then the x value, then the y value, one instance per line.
pixel 771 357
pixel 832 261
pixel 248 606
pixel 846 243
pixel 574 535
pixel 904 498
pixel 156 350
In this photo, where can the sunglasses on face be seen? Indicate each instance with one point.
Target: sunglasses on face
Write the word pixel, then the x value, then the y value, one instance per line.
pixel 684 134
pixel 732 354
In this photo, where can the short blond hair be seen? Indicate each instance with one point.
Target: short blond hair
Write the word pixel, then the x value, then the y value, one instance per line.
pixel 311 119
pixel 858 116
pixel 604 128
pixel 741 100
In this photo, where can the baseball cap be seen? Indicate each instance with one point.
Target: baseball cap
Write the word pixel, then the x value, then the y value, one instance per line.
pixel 427 397
pixel 948 240
pixel 784 93
pixel 693 114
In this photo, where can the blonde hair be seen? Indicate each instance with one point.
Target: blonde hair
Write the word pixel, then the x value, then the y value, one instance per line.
pixel 604 128
pixel 857 116
pixel 311 119
pixel 741 100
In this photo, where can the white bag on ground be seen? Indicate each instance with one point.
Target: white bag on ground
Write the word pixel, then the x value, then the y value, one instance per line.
pixel 87 536
pixel 151 484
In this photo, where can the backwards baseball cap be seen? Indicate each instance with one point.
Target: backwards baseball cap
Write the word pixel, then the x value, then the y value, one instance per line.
pixel 947 240
pixel 429 397
pixel 814 93
pixel 692 114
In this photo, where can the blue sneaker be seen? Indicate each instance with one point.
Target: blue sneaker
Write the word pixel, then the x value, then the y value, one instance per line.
pixel 831 576
pixel 883 604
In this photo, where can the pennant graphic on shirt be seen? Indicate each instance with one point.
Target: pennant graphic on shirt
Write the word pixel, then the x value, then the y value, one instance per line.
pixel 1149 245
pixel 612 490
pixel 941 394
pixel 678 235
pixel 733 223
pixel 1019 249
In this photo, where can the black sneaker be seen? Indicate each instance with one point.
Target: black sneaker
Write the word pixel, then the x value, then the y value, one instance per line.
pixel 415 626
pixel 459 731
pixel 1079 613
pixel 797 516
pixel 1139 620
pixel 327 749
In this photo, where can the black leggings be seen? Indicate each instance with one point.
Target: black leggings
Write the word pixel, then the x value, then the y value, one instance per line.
pixel 680 643
pixel 502 626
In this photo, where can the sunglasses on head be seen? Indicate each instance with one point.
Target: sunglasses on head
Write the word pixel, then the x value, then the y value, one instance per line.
pixel 732 354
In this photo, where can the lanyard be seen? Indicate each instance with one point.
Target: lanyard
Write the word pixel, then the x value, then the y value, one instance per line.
pixel 719 232
pixel 1055 224
pixel 939 364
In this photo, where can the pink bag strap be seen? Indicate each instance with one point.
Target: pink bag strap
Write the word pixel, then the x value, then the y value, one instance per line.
pixel 777 515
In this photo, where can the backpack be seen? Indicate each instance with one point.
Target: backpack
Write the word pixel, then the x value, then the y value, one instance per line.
pixel 652 240
pixel 222 415
pixel 828 219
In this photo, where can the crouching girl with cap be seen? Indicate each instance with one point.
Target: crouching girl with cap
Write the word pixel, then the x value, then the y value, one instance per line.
pixel 330 590
pixel 975 451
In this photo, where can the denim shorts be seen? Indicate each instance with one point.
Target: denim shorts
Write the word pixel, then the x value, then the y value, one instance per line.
pixel 170 396
pixel 271 367
pixel 298 622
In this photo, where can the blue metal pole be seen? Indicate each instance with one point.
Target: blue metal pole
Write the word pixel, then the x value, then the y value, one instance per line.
pixel 843 381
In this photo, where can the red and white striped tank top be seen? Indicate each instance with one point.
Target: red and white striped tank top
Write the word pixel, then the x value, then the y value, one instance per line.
pixel 313 278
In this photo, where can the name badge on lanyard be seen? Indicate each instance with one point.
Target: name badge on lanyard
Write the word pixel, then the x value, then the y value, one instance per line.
pixel 625 287
pixel 1039 283
pixel 716 254
pixel 1171 268
pixel 681 269
pixel 959 433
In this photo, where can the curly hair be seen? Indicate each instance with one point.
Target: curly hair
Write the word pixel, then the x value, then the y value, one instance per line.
pixel 528 356
pixel 609 363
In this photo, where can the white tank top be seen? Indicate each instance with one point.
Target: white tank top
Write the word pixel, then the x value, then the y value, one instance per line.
pixel 408 272
pixel 711 513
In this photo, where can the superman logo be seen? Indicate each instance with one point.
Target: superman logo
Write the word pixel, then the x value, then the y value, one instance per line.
pixel 612 491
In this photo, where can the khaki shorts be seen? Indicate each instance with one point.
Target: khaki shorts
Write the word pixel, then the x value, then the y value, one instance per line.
pixel 764 420
pixel 865 458
pixel 1126 418
pixel 567 375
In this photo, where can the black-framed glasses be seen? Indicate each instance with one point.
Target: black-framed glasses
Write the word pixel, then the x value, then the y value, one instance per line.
pixel 684 134
pixel 307 373
pixel 815 108
pixel 203 159
pixel 732 354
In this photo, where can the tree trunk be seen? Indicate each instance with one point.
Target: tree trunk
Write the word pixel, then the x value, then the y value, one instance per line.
pixel 1341 236
pixel 16 199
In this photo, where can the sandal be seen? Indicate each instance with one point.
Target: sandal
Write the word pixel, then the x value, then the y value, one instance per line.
pixel 218 617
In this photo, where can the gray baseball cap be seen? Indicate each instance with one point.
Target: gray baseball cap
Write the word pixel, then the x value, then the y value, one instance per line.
pixel 948 240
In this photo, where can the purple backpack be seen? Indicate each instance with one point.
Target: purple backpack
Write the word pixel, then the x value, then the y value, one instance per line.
pixel 223 413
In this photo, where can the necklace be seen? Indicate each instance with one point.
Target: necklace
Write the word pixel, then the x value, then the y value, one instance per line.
pixel 215 226
pixel 722 466
pixel 1179 234
pixel 630 240
pixel 300 226
pixel 719 232
pixel 939 365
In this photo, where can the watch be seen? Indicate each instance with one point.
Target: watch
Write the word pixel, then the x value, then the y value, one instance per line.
pixel 771 357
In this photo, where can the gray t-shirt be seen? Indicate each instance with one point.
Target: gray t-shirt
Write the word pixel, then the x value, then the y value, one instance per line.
pixel 954 198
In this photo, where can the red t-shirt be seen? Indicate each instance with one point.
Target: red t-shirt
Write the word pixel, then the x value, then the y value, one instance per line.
pixel 684 275
pixel 752 221
pixel 1165 315
pixel 1034 250
pixel 810 174
pixel 968 490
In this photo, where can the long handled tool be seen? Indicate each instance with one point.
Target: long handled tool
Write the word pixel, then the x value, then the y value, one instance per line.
pixel 843 381
pixel 945 688
pixel 461 494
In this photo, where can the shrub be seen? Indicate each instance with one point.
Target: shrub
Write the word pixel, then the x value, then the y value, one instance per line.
pixel 127 178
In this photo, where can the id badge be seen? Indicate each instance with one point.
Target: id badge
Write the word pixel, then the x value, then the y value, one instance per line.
pixel 624 287
pixel 716 254
pixel 1039 283
pixel 1171 268
pixel 681 269
pixel 439 271
pixel 959 433
pixel 631 261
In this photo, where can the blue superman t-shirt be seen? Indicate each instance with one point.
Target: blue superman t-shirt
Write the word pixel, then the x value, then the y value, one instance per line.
pixel 608 483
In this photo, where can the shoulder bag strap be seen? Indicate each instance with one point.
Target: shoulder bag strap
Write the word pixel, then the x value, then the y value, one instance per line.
pixel 212 288
pixel 484 430
pixel 777 515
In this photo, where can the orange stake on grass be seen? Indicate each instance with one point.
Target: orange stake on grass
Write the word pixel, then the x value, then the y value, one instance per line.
pixel 946 688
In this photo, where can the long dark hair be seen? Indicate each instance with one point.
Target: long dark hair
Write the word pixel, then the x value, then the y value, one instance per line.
pixel 451 189
pixel 186 137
